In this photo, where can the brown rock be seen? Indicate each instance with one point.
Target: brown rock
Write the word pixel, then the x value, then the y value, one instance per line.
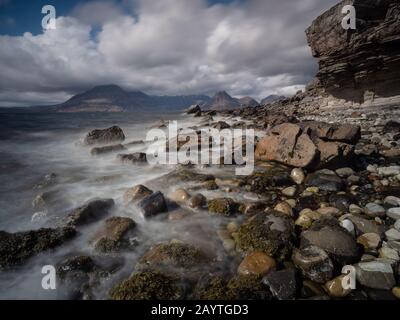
pixel 135 194
pixel 113 235
pixel 256 263
pixel 287 145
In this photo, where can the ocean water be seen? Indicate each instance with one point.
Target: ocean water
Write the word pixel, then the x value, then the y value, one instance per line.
pixel 35 145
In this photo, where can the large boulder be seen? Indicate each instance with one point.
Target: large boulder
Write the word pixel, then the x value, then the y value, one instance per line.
pixel 105 136
pixel 286 144
pixel 16 248
pixel 308 144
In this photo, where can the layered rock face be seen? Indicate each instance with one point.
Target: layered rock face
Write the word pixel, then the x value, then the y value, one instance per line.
pixel 358 65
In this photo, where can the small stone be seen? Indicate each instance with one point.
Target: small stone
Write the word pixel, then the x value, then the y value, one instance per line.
pixel 375 210
pixel 298 175
pixel 376 274
pixel 393 235
pixel 392 201
pixel 388 253
pixel 197 201
pixel 371 168
pixel 229 245
pixel 312 189
pixel 314 263
pixel 329 211
pixel 344 172
pixel 396 292
pixel 304 221
pixel 389 171
pixel 397 225
pixel 385 182
pixel 394 213
pixel 292 203
pixel 289 191
pixel 232 227
pixel 256 263
pixel 349 226
pixel 353 180
pixel 285 208
pixel 355 209
pixel 180 196
pixel 369 241
pixel 335 288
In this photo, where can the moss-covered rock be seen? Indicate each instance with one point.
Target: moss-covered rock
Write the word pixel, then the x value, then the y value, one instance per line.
pixel 16 248
pixel 173 255
pixel 216 287
pixel 222 206
pixel 114 235
pixel 272 233
pixel 180 175
pixel 148 285
pixel 210 185
pixel 269 178
pixel 211 288
pixel 248 287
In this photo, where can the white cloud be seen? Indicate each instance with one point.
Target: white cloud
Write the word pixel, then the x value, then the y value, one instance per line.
pixel 166 47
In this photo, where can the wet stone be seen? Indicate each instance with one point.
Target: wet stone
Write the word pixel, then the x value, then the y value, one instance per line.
pixel 152 205
pixel 283 284
pixel 256 263
pixel 314 263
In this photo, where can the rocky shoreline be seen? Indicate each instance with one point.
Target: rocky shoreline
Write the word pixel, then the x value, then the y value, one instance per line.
pixel 283 232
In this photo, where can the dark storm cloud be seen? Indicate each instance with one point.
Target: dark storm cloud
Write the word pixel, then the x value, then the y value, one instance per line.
pixel 254 47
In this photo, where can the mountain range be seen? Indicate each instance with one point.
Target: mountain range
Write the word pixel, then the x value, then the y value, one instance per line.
pixel 112 98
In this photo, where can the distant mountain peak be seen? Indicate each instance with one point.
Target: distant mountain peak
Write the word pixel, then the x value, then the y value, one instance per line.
pixel 112 98
pixel 107 87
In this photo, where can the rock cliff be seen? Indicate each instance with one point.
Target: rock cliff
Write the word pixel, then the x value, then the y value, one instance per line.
pixel 358 65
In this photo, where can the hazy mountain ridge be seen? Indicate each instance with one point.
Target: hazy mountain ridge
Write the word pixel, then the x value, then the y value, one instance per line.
pixel 112 98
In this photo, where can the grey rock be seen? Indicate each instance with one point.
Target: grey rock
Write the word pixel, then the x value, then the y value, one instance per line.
pixel 153 204
pixel 314 263
pixel 376 274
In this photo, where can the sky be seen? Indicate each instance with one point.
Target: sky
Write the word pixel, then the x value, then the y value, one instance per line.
pixel 163 47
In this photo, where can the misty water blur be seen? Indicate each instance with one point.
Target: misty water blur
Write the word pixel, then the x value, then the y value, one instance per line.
pixel 35 145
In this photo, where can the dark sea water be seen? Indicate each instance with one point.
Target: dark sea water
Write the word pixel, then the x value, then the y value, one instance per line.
pixel 35 145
